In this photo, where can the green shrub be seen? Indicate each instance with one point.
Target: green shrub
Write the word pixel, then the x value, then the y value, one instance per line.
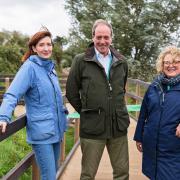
pixel 15 148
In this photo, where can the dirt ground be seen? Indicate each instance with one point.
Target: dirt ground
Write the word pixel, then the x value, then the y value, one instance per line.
pixel 19 110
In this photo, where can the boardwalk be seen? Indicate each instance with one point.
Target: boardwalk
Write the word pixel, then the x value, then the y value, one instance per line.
pixel 72 171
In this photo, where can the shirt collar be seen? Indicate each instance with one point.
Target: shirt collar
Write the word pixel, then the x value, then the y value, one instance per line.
pixel 99 55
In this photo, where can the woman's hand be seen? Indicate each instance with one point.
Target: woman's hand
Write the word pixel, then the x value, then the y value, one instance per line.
pixel 3 125
pixel 139 146
pixel 178 131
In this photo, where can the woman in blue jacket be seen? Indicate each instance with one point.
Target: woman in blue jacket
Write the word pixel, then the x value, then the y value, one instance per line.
pixel 157 133
pixel 37 81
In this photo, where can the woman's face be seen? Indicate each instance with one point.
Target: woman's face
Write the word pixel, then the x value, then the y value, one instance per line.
pixel 44 47
pixel 171 67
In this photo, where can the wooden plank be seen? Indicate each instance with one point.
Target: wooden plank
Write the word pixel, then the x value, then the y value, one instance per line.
pixel 13 127
pixel 7 75
pixel 20 168
pixel 2 88
pixel 137 81
pixel 135 157
pixel 2 80
pixel 73 169
pixel 64 76
pixel 134 96
pixel 62 81
pixel 21 102
pixel 35 170
pixel 67 160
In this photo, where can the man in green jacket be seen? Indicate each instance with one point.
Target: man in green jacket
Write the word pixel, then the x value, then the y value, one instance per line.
pixel 96 89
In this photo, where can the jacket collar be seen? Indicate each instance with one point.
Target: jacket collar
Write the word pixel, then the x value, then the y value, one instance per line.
pixel 99 55
pixel 46 63
pixel 90 54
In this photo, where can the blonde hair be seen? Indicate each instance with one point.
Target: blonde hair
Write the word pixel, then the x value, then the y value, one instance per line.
pixel 173 50
pixel 101 21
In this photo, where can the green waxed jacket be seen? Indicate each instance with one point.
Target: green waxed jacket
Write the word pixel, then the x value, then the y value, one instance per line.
pixel 100 102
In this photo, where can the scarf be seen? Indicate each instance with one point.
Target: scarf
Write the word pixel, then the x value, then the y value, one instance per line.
pixel 169 81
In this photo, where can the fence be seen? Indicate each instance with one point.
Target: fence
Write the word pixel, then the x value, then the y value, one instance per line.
pixel 29 160
pixel 5 81
pixel 135 91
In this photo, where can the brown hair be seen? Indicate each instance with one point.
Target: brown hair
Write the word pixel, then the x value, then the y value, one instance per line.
pixel 33 41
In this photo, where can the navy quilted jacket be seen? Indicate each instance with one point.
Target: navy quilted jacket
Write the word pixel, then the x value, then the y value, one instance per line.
pixel 156 127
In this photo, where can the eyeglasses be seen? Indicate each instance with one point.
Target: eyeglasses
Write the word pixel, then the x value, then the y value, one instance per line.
pixel 175 63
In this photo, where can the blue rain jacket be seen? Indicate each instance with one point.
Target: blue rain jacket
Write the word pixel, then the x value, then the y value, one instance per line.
pixel 37 81
pixel 156 128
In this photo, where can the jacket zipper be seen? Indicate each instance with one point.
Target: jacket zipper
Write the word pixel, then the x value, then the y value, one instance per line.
pixel 109 93
pixel 109 98
pixel 161 103
pixel 54 97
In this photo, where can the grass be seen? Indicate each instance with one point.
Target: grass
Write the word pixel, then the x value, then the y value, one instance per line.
pixel 12 150
pixel 69 140
pixel 15 148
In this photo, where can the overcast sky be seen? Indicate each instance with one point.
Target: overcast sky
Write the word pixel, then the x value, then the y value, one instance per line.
pixel 27 16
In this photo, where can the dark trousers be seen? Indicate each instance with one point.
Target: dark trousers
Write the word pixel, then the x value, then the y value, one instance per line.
pixel 92 151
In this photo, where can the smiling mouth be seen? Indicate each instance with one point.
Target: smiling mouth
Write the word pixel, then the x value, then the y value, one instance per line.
pixel 103 47
pixel 171 69
pixel 45 54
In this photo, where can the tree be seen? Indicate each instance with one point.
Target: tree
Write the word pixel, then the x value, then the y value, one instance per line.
pixel 12 47
pixel 59 54
pixel 141 28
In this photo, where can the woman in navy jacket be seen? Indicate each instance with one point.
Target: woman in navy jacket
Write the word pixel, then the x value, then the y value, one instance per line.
pixel 37 81
pixel 157 133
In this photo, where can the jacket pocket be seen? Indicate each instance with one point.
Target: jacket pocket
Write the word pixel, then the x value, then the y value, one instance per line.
pixel 42 127
pixel 92 121
pixel 122 119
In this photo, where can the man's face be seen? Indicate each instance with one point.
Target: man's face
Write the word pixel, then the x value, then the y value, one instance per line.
pixel 102 39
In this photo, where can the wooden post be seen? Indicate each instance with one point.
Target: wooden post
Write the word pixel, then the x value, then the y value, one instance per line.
pixel 137 94
pixel 63 149
pixel 35 170
pixel 76 130
pixel 7 83
pixel 127 89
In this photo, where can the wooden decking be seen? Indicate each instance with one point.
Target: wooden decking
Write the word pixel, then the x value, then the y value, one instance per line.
pixel 72 172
